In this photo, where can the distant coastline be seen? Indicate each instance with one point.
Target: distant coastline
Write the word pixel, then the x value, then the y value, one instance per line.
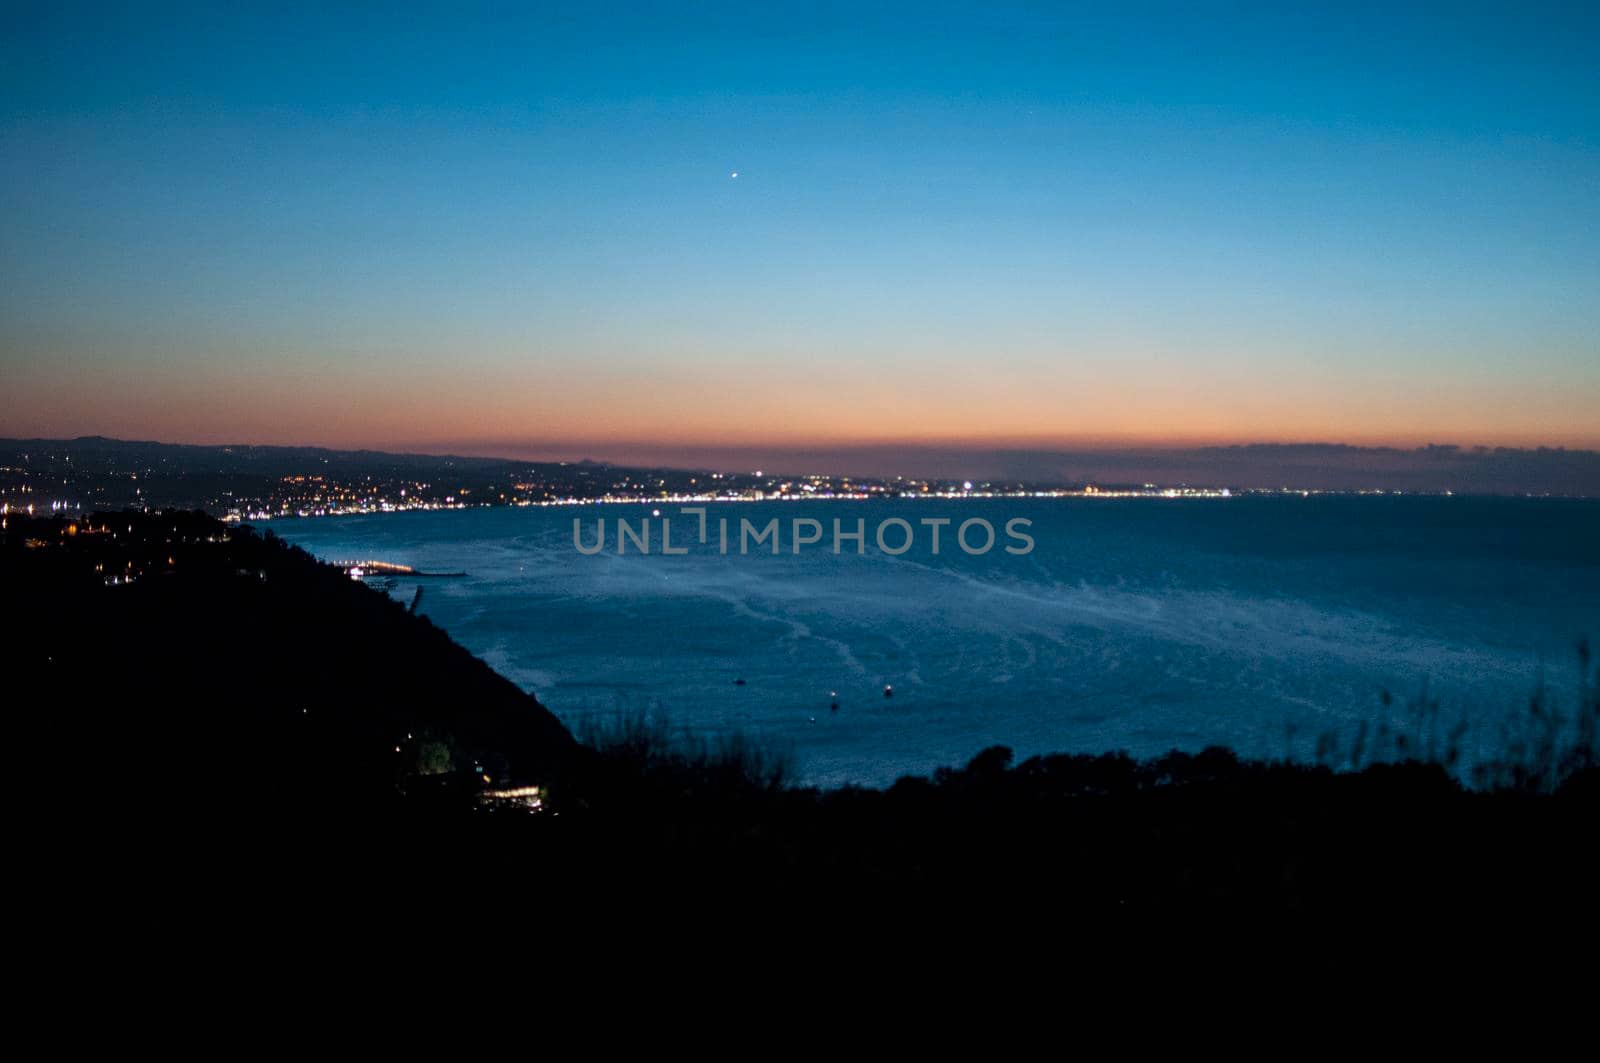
pixel 261 483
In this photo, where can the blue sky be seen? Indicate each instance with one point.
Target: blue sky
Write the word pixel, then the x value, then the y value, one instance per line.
pixel 982 224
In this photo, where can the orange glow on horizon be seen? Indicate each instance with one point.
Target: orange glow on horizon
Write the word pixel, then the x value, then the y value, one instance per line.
pixel 579 413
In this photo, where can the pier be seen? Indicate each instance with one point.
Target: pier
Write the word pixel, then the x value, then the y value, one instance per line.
pixel 361 569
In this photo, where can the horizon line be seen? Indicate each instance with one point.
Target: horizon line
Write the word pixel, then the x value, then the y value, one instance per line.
pixel 505 448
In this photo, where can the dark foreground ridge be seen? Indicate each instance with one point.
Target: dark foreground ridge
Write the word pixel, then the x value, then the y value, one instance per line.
pixel 238 670
pixel 198 691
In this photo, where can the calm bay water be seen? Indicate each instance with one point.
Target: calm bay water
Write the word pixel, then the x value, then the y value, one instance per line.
pixel 1141 625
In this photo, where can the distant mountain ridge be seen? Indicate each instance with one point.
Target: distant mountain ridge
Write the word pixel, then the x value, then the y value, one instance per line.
pixel 246 454
pixel 1320 466
pixel 93 472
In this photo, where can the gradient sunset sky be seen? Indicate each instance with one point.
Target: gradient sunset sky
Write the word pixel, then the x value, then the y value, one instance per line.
pixel 516 228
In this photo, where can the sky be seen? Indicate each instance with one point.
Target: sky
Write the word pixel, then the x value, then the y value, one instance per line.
pixel 516 228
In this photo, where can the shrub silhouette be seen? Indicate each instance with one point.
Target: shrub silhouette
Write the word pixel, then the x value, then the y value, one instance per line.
pixel 1538 750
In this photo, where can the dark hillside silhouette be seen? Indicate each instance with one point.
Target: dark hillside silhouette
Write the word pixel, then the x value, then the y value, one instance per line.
pixel 239 670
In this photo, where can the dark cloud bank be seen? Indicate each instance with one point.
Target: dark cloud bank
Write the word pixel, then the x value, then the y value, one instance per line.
pixel 1497 470
pixel 1486 470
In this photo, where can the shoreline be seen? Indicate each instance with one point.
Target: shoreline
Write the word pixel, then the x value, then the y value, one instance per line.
pixel 1153 495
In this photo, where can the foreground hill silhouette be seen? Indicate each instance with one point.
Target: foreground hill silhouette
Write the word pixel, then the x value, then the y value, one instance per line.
pixel 204 658
pixel 268 705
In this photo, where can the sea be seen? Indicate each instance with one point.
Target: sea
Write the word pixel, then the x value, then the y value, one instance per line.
pixel 1276 625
